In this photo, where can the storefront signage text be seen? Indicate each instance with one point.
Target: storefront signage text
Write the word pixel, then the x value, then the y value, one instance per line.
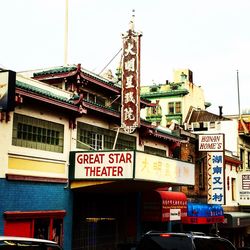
pixel 130 112
pixel 104 165
pixel 215 170
pixel 211 142
pixel 163 169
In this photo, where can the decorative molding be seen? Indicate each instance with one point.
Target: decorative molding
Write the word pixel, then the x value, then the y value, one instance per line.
pixel 15 177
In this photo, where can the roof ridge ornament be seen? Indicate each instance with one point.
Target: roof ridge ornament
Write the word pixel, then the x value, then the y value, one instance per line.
pixel 132 21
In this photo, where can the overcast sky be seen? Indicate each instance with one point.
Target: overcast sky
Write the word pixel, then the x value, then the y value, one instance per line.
pixel 210 37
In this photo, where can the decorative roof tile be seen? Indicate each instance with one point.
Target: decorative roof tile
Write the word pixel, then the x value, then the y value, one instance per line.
pixel 55 71
pixel 42 92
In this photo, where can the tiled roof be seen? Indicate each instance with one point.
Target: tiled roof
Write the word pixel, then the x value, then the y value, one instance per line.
pixel 34 89
pixel 205 116
pixel 55 71
pixel 67 69
pixel 51 95
pixel 41 91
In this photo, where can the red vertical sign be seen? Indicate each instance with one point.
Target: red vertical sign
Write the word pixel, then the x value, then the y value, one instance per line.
pixel 130 113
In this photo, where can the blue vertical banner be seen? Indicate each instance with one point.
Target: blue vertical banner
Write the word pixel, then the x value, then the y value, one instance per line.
pixel 215 169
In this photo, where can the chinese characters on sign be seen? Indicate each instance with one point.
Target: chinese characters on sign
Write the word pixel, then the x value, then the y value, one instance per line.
pixel 213 144
pixel 215 170
pixel 130 113
pixel 163 169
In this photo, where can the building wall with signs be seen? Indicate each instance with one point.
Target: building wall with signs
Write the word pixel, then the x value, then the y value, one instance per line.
pixel 34 169
pixel 230 129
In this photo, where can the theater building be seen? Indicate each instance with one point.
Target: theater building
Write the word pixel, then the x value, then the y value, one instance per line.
pixel 80 166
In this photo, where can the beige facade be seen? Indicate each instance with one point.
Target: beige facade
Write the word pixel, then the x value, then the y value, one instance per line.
pixel 176 98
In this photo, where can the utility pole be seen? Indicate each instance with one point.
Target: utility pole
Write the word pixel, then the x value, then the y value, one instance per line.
pixel 66 33
pixel 238 87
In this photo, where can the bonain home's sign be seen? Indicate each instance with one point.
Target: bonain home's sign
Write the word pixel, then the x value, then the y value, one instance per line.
pixel 103 165
pixel 211 142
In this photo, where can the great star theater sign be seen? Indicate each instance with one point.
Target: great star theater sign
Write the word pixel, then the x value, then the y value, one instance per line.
pixel 130 112
pixel 102 165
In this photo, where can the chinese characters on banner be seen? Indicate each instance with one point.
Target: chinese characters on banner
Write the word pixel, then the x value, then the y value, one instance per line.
pixel 215 170
pixel 213 144
pixel 130 113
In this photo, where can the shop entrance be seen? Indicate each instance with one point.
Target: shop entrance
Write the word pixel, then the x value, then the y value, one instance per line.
pixel 99 234
pixel 103 221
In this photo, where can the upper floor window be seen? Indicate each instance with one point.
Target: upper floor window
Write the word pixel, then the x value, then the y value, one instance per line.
pixel 233 189
pixel 242 157
pixel 96 138
pixel 248 160
pixel 37 133
pixel 174 108
pixel 155 151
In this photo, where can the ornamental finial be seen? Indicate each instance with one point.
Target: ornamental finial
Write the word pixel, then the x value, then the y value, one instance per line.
pixel 132 21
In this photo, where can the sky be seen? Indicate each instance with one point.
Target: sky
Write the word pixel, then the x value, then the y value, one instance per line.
pixel 209 37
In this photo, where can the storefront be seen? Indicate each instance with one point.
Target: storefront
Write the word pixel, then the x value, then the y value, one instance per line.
pixel 37 224
pixel 115 201
pixel 236 227
pixel 203 217
pixel 163 210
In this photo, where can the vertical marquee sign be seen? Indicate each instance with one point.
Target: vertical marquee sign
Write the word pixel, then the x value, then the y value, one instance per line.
pixel 213 144
pixel 130 113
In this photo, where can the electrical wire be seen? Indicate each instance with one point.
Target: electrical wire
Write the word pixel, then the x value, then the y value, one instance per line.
pixel 111 60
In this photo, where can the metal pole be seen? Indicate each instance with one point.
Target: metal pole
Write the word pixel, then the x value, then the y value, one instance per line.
pixel 238 88
pixel 66 33
pixel 117 133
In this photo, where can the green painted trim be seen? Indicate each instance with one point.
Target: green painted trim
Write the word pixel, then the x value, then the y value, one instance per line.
pixel 55 71
pixel 40 91
pixel 165 93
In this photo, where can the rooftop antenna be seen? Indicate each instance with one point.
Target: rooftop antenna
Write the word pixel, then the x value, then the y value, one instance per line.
pixel 66 33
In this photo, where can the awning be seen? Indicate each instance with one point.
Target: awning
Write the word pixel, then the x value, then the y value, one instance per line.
pixel 163 206
pixel 236 219
pixel 198 213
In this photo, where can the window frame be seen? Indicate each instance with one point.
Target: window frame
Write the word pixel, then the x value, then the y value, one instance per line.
pixel 31 132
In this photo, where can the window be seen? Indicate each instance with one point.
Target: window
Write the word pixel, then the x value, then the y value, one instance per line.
pixel 177 107
pixel 242 156
pixel 174 107
pixel 91 97
pixel 171 108
pixel 38 134
pixel 233 189
pixel 248 160
pixel 155 151
pixel 36 224
pixel 97 138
